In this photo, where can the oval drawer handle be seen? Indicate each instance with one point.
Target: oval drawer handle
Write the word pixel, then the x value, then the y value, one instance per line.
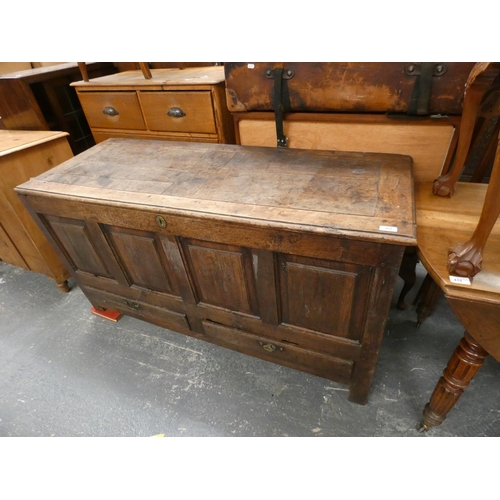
pixel 133 305
pixel 110 111
pixel 176 113
pixel 270 347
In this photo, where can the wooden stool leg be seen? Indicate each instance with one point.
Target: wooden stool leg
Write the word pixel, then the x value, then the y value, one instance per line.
pixel 83 70
pixel 468 357
pixel 426 299
pixel 145 70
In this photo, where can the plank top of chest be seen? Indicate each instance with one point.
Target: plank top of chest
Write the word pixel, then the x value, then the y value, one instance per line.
pixel 210 75
pixel 358 195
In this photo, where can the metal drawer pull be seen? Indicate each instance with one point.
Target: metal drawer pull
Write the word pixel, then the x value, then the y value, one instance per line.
pixel 110 111
pixel 176 113
pixel 270 347
pixel 161 221
pixel 133 305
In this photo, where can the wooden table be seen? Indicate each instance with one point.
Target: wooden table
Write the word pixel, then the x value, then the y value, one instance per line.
pixel 441 224
pixel 287 255
pixel 26 154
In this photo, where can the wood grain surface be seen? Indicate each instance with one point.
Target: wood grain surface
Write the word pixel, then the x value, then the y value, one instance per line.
pixel 363 195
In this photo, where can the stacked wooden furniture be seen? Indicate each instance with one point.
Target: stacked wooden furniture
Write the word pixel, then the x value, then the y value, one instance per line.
pixel 457 236
pixel 41 99
pixel 26 154
pixel 287 255
pixel 369 107
pixel 459 244
pixel 168 104
pixel 402 108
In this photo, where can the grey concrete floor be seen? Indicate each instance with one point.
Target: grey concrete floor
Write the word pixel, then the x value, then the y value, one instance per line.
pixel 67 372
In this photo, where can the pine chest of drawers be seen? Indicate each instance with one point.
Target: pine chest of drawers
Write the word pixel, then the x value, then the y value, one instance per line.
pixel 287 255
pixel 174 104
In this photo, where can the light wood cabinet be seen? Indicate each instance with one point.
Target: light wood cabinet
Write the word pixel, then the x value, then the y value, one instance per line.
pixel 287 255
pixel 42 99
pixel 431 142
pixel 26 154
pixel 174 104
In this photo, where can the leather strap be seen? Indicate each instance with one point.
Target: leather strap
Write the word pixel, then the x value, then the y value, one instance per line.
pixel 419 102
pixel 278 107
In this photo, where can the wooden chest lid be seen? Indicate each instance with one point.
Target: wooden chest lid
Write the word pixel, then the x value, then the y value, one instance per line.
pixel 359 195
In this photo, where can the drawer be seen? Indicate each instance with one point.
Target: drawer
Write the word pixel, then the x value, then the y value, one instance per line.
pixel 118 110
pixel 171 111
pixel 158 316
pixel 281 353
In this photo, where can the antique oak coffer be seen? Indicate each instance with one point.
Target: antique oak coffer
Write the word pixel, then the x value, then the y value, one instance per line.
pixel 288 255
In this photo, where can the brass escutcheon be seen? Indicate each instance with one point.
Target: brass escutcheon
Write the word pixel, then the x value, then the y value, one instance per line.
pixel 161 221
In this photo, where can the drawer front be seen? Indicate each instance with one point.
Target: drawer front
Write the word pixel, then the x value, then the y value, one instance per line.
pixel 278 352
pixel 178 111
pixel 118 110
pixel 159 316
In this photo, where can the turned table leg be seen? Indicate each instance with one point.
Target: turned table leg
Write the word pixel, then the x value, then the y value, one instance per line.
pixel 468 357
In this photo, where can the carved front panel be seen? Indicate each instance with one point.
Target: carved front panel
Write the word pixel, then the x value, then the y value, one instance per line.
pixel 140 255
pixel 323 296
pixel 76 243
pixel 221 275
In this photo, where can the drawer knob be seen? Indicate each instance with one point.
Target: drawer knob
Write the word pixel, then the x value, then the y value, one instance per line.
pixel 110 111
pixel 176 113
pixel 161 221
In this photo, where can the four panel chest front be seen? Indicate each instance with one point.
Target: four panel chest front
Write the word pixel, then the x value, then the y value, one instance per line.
pixel 287 255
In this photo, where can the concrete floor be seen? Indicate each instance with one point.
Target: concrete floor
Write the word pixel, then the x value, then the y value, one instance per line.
pixel 67 372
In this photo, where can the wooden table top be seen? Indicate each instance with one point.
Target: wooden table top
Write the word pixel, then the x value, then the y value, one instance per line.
pixel 365 196
pixel 208 75
pixel 444 222
pixel 12 141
